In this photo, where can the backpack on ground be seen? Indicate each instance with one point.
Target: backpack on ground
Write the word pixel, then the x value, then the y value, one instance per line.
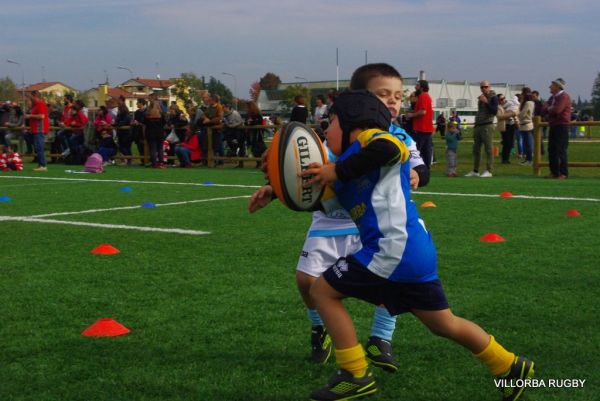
pixel 94 164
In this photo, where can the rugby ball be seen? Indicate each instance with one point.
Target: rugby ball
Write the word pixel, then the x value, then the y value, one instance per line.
pixel 294 147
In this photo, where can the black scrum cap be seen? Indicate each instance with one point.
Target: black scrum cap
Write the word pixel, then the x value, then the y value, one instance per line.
pixel 359 109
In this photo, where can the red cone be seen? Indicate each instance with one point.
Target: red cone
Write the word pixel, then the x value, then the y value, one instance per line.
pixel 105 249
pixel 573 213
pixel 105 328
pixel 506 195
pixel 491 237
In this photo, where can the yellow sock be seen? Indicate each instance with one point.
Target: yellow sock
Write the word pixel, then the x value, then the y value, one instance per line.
pixel 352 359
pixel 496 358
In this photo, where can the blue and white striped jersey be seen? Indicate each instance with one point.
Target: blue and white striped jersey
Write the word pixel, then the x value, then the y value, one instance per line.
pixel 338 221
pixel 395 243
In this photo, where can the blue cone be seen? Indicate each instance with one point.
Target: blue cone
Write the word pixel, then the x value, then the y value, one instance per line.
pixel 126 189
pixel 148 205
pixel 5 199
pixel 208 183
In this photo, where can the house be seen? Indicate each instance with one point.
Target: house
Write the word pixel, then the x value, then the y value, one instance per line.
pixel 96 97
pixel 51 89
pixel 142 87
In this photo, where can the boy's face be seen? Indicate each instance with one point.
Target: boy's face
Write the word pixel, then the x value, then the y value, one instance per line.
pixel 333 133
pixel 389 91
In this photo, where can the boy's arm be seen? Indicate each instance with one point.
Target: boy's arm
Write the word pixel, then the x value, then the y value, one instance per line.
pixel 376 154
pixel 261 198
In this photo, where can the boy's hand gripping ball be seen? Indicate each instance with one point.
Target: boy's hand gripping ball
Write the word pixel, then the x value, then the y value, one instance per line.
pixel 295 146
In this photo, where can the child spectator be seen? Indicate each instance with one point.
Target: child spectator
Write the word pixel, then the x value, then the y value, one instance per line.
pixel 154 120
pixel 188 150
pixel 452 138
pixel 397 265
pixel 10 160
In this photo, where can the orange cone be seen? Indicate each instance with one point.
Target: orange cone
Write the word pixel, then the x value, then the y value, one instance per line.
pixel 105 249
pixel 491 237
pixel 428 204
pixel 573 213
pixel 506 195
pixel 106 327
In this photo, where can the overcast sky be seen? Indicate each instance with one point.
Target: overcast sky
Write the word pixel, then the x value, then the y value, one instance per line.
pixel 516 41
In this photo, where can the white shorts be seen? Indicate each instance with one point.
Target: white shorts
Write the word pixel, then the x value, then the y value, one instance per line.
pixel 320 253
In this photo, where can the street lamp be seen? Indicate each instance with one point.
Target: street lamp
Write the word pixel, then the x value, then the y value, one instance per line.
pixel 120 67
pixel 234 87
pixel 22 78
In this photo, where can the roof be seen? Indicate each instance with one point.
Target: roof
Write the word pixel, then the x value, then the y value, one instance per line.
pixel 44 85
pixel 116 92
pixel 155 83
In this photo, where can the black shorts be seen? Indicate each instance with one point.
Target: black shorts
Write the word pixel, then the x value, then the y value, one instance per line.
pixel 352 279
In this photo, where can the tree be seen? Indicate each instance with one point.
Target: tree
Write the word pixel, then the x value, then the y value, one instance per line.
pixel 188 87
pixel 215 86
pixel 254 90
pixel 269 81
pixel 8 90
pixel 292 91
pixel 596 97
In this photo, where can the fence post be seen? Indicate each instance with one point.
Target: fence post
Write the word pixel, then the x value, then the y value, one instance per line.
pixel 537 141
pixel 209 147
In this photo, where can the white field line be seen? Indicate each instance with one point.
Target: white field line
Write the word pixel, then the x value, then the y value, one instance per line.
pixel 132 181
pixel 135 207
pixel 111 226
pixel 553 198
pixel 258 186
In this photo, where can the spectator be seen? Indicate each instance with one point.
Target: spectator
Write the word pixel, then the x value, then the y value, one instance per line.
pixel 124 135
pixel 454 117
pixel 137 127
pixel 154 120
pixel 558 113
pixel 107 146
pixel 234 136
pixel 10 160
pixel 212 118
pixel 15 123
pixel 39 125
pixel 65 133
pixel 441 125
pixel 4 117
pixel 422 121
pixel 177 125
pixel 76 122
pixel 255 135
pixel 299 112
pixel 188 151
pixel 526 110
pixel 483 132
pixel 506 125
pixel 320 110
pixel 452 138
pixel 102 122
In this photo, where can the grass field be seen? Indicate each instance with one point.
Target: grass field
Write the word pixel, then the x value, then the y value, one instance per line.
pixel 217 316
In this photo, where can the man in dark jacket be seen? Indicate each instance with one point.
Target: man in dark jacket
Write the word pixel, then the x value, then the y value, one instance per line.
pixel 558 114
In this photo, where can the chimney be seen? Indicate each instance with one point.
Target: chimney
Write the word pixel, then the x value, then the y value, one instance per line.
pixel 422 75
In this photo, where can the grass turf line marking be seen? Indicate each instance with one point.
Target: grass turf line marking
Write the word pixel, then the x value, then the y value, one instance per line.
pixel 557 198
pixel 99 225
pixel 134 182
pixel 135 207
pixel 258 186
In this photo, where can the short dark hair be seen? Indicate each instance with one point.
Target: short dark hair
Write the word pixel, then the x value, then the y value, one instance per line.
pixel 68 96
pixel 142 101
pixel 363 75
pixel 424 84
pixel 35 93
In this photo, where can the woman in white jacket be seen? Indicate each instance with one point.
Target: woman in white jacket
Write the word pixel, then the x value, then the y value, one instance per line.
pixel 526 124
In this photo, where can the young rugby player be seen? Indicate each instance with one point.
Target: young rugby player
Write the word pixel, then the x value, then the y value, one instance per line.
pixel 334 235
pixel 397 264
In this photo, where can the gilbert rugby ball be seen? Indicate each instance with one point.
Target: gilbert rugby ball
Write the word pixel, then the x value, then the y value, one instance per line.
pixel 295 146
